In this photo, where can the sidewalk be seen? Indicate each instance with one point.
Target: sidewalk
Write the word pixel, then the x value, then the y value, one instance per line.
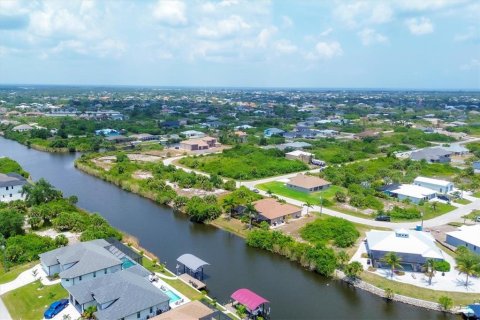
pixel 25 278
pixel 4 314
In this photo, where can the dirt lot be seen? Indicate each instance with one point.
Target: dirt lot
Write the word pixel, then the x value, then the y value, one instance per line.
pixel 293 226
pixel 142 175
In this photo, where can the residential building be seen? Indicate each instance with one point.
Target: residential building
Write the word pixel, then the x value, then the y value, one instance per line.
pixel 412 192
pixel 307 183
pixel 456 149
pixel 22 128
pixel 272 132
pixel 440 186
pixel 144 137
pixel 11 185
pixel 468 236
pixel 82 262
pixel 413 247
pixel 274 212
pixel 127 294
pixel 193 134
pixel 193 310
pixel 299 155
pixel 199 144
pixel 241 136
pixel 107 132
pixel 431 155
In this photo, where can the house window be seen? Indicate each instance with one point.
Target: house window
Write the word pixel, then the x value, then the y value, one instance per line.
pixel 94 274
pixel 80 278
pixel 151 309
pixel 11 195
pixel 138 315
pixel 6 188
pixel 105 271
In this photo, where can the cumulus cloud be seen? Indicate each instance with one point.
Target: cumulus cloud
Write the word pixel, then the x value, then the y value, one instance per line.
pixel 170 12
pixel 358 13
pixel 326 32
pixel 370 36
pixel 473 64
pixel 419 26
pixel 285 46
pixel 223 28
pixel 265 35
pixel 287 22
pixel 325 51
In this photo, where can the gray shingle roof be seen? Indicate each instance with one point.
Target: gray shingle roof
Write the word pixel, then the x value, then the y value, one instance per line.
pixel 11 179
pixel 130 291
pixel 191 262
pixel 429 153
pixel 88 257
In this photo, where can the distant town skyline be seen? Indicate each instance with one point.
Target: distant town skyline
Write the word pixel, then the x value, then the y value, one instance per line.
pixel 404 44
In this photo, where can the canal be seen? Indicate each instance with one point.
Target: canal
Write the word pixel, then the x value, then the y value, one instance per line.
pixel 294 292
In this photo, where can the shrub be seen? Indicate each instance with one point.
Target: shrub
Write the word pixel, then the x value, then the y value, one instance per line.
pixel 446 303
pixel 442 266
pixel 342 232
pixel 404 213
pixel 11 222
pixel 25 248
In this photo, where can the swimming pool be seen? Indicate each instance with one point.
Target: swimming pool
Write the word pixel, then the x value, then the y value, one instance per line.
pixel 172 295
pixel 127 263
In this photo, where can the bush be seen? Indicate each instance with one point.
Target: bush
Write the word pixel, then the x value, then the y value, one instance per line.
pixel 26 248
pixel 404 213
pixel 446 303
pixel 11 222
pixel 342 232
pixel 442 266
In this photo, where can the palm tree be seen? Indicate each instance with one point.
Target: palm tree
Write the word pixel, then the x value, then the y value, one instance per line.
pixel 469 265
pixel 434 205
pixel 251 213
pixel 308 205
pixel 342 258
pixel 393 260
pixel 229 205
pixel 430 270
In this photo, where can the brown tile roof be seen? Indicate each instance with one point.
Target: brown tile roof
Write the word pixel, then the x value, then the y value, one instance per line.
pixel 307 182
pixel 193 310
pixel 270 208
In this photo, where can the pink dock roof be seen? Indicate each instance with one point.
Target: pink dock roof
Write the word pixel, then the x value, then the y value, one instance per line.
pixel 248 298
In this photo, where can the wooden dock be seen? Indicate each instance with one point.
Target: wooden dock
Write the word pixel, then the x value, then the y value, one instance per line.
pixel 197 284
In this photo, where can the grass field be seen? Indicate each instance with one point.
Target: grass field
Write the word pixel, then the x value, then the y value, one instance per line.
pixel 13 272
pixel 462 201
pixel 429 212
pixel 31 301
pixel 314 197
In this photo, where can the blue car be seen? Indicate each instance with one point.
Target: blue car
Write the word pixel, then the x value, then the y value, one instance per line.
pixel 55 308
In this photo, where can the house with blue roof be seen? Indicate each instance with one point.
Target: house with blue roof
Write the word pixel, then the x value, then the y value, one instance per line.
pixel 272 132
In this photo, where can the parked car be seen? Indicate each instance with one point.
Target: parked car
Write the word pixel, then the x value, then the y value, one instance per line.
pixel 383 218
pixel 55 308
pixel 256 190
pixel 443 197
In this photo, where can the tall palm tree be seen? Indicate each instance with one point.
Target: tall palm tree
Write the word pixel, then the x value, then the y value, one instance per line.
pixel 251 213
pixel 393 260
pixel 469 265
pixel 229 205
pixel 308 205
pixel 430 270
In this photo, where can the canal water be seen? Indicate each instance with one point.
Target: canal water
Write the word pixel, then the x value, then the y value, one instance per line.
pixel 294 292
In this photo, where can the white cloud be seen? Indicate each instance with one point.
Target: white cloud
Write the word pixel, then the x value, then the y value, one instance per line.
pixel 370 36
pixel 325 51
pixel 287 22
pixel 472 65
pixel 170 12
pixel 358 13
pixel 223 28
pixel 470 34
pixel 427 5
pixel 419 26
pixel 285 46
pixel 326 32
pixel 265 35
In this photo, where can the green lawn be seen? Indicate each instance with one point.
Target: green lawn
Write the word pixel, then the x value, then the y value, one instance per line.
pixel 462 201
pixel 30 302
pixel 429 212
pixel 14 271
pixel 281 189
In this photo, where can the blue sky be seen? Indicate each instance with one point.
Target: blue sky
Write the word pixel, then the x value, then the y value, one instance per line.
pixel 285 43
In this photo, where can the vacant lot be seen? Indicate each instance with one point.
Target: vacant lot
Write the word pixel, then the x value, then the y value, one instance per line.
pixel 314 197
pixel 245 163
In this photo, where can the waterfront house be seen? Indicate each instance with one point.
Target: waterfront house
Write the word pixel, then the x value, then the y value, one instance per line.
pixel 307 183
pixel 127 294
pixel 22 128
pixel 193 310
pixel 299 155
pixel 431 155
pixel 272 132
pixel 440 186
pixel 468 236
pixel 82 261
pixel 413 247
pixel 11 185
pixel 193 134
pixel 412 192
pixel 274 212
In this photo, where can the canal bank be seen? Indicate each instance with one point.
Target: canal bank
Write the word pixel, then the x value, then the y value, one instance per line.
pixel 295 293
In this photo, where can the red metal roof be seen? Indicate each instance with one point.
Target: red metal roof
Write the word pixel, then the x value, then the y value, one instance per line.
pixel 248 298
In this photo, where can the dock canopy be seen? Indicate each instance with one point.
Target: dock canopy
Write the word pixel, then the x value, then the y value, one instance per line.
pixel 192 262
pixel 248 298
pixel 472 311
